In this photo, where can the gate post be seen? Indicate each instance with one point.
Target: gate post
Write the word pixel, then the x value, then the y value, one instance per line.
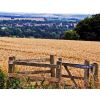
pixel 11 65
pixel 52 60
pixel 86 74
pixel 95 74
pixel 58 69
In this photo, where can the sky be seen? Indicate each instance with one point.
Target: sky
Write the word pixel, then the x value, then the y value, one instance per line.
pixel 51 6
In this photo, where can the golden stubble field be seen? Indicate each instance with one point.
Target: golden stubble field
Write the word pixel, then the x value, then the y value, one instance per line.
pixel 70 51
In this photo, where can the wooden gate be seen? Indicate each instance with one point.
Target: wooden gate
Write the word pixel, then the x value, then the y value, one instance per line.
pixel 55 70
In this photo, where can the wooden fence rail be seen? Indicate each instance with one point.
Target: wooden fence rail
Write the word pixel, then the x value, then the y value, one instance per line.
pixel 56 69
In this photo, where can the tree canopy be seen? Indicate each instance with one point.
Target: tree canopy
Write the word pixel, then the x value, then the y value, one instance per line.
pixel 89 28
pixel 71 35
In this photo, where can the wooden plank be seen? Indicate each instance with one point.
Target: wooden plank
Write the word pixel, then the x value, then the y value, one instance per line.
pixel 71 77
pixel 35 78
pixel 77 65
pixel 35 72
pixel 35 64
pixel 74 77
pixel 52 62
pixel 50 79
pixel 33 60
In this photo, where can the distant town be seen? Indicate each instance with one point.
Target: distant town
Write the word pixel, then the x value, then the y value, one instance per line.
pixel 52 25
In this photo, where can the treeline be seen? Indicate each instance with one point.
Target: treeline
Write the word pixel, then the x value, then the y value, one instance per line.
pixel 36 29
pixel 87 29
pixel 26 31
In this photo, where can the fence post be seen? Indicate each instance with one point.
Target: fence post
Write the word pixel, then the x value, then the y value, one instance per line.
pixel 86 74
pixel 11 66
pixel 95 74
pixel 52 60
pixel 58 70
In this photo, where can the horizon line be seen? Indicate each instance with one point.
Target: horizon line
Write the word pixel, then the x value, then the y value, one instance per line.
pixel 46 13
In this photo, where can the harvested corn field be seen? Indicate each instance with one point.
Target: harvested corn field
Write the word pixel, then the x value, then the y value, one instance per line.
pixel 70 51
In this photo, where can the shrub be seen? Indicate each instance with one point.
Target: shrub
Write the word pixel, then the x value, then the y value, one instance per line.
pixel 71 35
pixel 13 83
pixel 2 80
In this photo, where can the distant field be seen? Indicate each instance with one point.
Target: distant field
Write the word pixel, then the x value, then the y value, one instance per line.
pixel 70 51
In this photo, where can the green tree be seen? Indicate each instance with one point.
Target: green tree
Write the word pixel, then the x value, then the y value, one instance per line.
pixel 89 28
pixel 71 35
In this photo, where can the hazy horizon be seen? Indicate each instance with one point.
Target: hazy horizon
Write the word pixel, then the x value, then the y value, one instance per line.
pixel 50 6
pixel 44 13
